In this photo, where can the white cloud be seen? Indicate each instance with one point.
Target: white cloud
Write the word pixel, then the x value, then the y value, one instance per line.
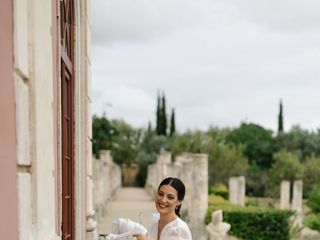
pixel 282 15
pixel 220 62
pixel 140 21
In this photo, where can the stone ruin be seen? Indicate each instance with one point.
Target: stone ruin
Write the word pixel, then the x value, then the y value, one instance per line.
pixel 237 190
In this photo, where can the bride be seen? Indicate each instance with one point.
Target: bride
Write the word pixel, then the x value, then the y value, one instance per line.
pixel 167 224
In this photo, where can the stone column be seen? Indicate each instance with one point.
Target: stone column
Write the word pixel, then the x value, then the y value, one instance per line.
pixel 198 200
pixel 285 195
pixel 241 190
pixel 199 197
pixel 297 196
pixel 237 190
pixel 233 190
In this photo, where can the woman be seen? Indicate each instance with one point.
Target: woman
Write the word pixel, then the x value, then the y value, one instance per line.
pixel 167 225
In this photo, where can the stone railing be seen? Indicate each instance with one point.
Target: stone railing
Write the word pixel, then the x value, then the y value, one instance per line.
pixel 106 180
pixel 192 169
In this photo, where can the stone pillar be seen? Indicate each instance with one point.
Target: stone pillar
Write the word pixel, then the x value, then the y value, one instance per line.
pixel 237 190
pixel 285 195
pixel 198 198
pixel 233 190
pixel 199 193
pixel 241 190
pixel 163 160
pixel 217 229
pixel 297 196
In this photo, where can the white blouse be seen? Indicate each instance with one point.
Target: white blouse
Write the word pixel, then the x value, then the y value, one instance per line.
pixel 175 230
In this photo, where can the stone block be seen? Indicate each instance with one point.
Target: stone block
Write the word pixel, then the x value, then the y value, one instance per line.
pixel 241 190
pixel 237 190
pixel 21 37
pixel 285 195
pixel 22 118
pixel 24 206
pixel 297 196
pixel 233 190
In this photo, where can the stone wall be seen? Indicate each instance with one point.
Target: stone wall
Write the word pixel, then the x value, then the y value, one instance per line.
pixel 192 169
pixel 106 180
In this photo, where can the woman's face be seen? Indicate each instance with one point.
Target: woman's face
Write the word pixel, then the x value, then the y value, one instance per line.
pixel 167 199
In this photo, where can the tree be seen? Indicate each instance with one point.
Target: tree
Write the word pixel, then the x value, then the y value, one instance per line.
pixel 286 167
pixel 280 118
pixel 300 141
pixel 125 148
pixel 311 174
pixel 172 124
pixel 163 116
pixel 258 143
pixel 149 148
pixel 225 160
pixel 194 142
pixel 158 115
pixel 103 134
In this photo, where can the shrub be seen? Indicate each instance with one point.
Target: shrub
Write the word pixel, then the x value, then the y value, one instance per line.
pixel 219 190
pixel 313 221
pixel 311 174
pixel 314 200
pixel 287 166
pixel 251 202
pixel 252 223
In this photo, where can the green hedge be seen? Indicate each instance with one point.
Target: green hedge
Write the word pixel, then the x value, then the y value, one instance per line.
pixel 219 190
pixel 253 223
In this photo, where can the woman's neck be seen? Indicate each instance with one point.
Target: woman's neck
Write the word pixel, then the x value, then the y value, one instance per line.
pixel 165 219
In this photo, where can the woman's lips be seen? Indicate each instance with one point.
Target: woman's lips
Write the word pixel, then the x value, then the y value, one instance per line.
pixel 162 205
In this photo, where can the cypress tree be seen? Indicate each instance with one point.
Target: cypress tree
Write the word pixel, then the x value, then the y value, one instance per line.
pixel 158 116
pixel 149 127
pixel 280 118
pixel 172 124
pixel 163 116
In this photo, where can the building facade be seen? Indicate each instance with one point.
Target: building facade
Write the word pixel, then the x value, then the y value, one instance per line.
pixel 45 123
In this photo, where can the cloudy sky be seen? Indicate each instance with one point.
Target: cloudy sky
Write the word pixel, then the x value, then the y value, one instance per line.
pixel 219 62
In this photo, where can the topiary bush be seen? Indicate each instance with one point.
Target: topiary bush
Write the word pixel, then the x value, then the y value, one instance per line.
pixel 253 223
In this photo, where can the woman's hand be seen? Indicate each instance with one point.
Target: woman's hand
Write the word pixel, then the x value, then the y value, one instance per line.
pixel 141 237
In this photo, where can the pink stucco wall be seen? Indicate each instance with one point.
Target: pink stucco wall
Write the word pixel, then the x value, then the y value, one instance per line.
pixel 8 166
